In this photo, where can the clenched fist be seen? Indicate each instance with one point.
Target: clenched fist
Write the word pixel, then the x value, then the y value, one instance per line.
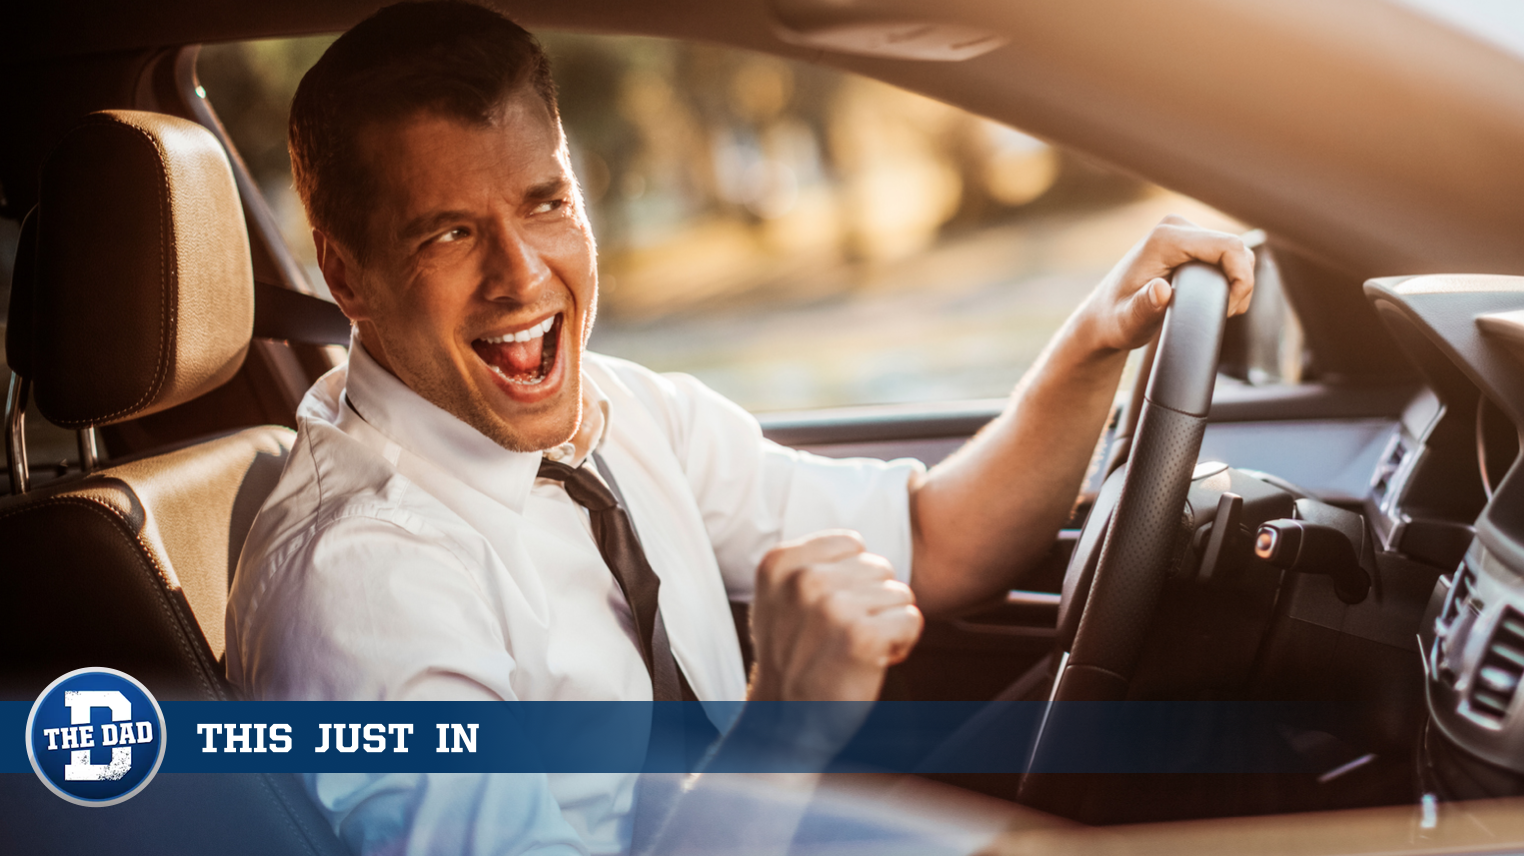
pixel 828 619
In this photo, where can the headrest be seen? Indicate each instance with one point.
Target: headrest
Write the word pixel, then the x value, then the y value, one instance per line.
pixel 141 292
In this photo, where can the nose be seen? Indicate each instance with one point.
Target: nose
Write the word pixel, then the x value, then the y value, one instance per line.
pixel 516 270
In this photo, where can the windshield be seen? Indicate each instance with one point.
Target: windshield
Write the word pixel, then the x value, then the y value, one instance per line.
pixel 1500 22
pixel 794 236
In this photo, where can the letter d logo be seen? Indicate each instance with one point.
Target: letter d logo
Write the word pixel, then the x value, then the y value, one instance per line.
pixel 95 737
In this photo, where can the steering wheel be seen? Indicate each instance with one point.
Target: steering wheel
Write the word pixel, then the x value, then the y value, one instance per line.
pixel 1137 536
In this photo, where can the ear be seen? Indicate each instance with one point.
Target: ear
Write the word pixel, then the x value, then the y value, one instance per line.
pixel 341 273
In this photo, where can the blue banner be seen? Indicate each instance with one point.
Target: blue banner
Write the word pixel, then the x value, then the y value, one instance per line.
pixel 560 737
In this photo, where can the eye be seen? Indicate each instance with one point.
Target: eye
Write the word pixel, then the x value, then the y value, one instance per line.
pixel 549 206
pixel 456 234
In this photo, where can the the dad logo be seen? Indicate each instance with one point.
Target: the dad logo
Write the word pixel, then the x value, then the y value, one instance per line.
pixel 95 737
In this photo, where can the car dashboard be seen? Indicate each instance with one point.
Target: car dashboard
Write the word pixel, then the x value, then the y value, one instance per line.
pixel 1431 658
pixel 1465 334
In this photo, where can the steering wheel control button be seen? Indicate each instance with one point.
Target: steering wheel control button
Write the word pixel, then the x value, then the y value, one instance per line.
pixel 95 737
pixel 1314 548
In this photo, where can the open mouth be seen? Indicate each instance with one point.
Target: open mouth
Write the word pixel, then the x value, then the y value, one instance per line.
pixel 524 358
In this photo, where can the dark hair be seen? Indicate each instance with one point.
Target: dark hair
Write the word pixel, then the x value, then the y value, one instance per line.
pixel 446 56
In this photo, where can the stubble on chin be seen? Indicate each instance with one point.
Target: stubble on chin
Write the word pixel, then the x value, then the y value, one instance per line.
pixel 450 393
pixel 502 432
pixel 473 408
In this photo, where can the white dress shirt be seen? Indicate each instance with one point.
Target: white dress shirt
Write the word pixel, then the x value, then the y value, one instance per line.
pixel 404 555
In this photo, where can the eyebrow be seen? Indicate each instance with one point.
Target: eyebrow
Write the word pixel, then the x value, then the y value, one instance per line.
pixel 547 190
pixel 426 223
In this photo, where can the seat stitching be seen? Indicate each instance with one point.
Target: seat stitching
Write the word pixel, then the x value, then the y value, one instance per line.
pixel 167 306
pixel 285 812
pixel 165 603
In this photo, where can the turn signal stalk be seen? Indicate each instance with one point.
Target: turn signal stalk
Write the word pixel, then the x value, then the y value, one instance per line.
pixel 1312 548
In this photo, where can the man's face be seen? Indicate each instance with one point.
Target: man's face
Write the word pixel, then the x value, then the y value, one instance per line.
pixel 481 286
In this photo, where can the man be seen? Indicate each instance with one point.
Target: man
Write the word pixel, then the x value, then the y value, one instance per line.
pixel 419 545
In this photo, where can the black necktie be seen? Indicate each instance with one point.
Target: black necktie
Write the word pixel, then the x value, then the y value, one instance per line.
pixel 621 551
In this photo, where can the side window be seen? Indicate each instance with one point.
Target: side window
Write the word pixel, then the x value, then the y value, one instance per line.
pixel 795 236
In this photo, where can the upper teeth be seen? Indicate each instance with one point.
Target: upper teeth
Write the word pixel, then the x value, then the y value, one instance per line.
pixel 534 332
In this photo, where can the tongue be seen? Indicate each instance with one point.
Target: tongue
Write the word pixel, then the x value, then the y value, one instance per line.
pixel 514 358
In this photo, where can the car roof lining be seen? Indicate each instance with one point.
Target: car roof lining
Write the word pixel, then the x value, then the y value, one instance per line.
pixel 1360 132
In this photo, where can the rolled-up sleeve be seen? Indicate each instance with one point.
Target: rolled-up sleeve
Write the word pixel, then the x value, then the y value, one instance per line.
pixel 754 493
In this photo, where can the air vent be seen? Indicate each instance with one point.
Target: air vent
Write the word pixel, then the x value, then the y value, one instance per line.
pixel 1391 462
pixel 1453 626
pixel 1502 667
pixel 1460 590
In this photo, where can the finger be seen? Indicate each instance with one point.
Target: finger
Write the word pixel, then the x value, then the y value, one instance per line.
pixel 1180 244
pixel 1238 301
pixel 1240 291
pixel 1238 264
pixel 856 612
pixel 1147 306
pixel 1226 251
pixel 826 546
pixel 898 630
pixel 1175 220
pixel 823 579
pixel 853 603
pixel 882 638
pixel 821 547
pixel 1157 293
pixel 859 570
pixel 891 594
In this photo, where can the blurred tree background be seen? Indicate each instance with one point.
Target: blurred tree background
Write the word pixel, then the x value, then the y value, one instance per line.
pixel 795 236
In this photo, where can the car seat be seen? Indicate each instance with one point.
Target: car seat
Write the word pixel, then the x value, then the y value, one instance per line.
pixel 133 292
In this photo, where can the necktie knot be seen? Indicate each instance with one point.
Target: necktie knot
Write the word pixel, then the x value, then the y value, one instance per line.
pixel 581 484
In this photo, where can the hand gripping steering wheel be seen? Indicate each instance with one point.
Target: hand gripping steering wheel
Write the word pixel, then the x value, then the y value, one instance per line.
pixel 1140 536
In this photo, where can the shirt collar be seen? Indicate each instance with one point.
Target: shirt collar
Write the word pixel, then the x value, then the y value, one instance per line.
pixel 423 429
pixel 590 431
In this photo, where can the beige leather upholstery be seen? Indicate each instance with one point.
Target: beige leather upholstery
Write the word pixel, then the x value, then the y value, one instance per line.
pixel 129 568
pixel 143 279
pixel 197 506
pixel 137 295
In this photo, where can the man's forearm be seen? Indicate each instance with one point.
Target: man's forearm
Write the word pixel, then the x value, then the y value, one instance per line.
pixel 992 509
